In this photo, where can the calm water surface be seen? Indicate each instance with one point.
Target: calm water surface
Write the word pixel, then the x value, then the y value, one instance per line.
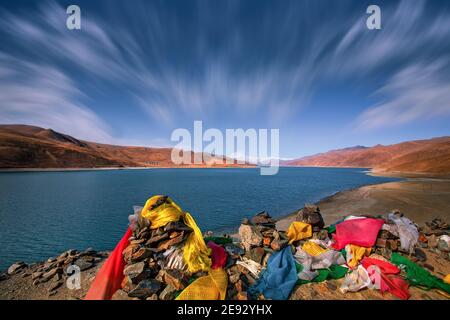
pixel 44 213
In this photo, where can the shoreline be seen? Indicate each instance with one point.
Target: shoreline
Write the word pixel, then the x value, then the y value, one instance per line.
pixel 420 199
pixel 6 170
pixel 366 170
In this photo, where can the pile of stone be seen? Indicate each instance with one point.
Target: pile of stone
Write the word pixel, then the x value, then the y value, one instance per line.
pixel 433 235
pixel 155 268
pixel 386 244
pixel 259 238
pixel 259 235
pixel 55 270
pixel 436 227
pixel 154 263
pixel 311 214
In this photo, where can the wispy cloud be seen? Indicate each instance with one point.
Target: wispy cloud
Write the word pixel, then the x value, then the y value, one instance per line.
pixel 43 96
pixel 412 55
pixel 417 92
pixel 140 59
pixel 218 61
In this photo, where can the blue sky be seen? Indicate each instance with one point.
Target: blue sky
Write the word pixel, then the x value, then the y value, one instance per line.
pixel 137 70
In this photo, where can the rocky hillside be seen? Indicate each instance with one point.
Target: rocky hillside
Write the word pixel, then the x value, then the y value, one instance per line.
pixel 23 146
pixel 422 156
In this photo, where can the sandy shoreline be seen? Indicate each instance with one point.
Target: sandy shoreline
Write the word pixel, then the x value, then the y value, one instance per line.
pixel 421 199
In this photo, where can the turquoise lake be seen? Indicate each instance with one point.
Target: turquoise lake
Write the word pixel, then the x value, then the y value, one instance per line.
pixel 45 213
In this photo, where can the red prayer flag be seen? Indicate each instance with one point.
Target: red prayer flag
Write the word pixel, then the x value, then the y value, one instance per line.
pixel 361 232
pixel 110 276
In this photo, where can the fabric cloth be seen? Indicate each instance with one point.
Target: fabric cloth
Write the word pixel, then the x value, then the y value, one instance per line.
pixel 311 263
pixel 445 238
pixel 218 240
pixel 418 276
pixel 277 281
pixel 218 255
pixel 174 258
pixel 378 257
pixel 327 259
pixel 331 229
pixel 252 266
pixel 299 230
pixel 406 230
pixel 447 279
pixel 355 253
pixel 160 210
pixel 382 275
pixel 210 287
pixel 333 272
pixel 384 266
pixel 326 243
pixel 361 232
pixel 305 260
pixel 356 280
pixel 313 248
pixel 351 217
pixel 109 277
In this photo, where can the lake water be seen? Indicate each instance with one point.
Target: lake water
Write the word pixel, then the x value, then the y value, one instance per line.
pixel 45 213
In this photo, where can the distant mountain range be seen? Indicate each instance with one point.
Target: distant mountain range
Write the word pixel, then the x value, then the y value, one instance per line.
pixel 23 146
pixel 430 156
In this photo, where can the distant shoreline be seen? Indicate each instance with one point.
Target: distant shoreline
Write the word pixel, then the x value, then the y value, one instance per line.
pixel 369 171
pixel 117 168
pixel 387 174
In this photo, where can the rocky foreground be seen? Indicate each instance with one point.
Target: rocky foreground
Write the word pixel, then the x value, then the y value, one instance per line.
pixel 49 279
pixel 154 270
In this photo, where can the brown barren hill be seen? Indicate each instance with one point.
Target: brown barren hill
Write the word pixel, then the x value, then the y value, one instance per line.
pixel 430 156
pixel 23 146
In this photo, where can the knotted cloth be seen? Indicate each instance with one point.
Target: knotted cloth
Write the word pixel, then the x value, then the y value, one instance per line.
pixel 299 230
pixel 160 210
pixel 210 287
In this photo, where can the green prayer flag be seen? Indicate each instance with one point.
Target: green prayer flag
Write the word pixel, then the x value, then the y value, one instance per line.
pixel 417 276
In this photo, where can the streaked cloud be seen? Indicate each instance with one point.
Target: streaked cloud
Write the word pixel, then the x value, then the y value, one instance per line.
pixel 411 54
pixel 252 63
pixel 417 92
pixel 43 96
